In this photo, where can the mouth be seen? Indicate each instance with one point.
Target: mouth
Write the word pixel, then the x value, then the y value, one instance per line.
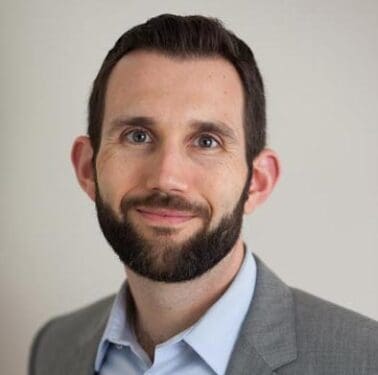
pixel 164 216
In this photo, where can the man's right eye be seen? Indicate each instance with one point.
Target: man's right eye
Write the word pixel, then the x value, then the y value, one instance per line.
pixel 138 136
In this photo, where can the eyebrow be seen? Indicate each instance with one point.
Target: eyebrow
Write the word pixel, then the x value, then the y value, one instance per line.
pixel 199 125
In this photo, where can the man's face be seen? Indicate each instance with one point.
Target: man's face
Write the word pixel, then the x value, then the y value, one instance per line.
pixel 171 173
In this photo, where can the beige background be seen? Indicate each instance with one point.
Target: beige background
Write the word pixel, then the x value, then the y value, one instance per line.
pixel 319 229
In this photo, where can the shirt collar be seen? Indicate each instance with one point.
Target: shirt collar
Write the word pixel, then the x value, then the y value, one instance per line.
pixel 223 320
pixel 117 330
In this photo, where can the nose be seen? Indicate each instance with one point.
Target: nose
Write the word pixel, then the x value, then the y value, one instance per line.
pixel 168 170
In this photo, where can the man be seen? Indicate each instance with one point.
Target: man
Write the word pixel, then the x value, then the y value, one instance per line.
pixel 174 158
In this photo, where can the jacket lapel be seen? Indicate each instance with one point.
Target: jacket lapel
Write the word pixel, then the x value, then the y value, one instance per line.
pixel 84 365
pixel 267 337
pixel 82 357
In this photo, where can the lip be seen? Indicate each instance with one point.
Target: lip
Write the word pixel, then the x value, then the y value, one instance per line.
pixel 164 216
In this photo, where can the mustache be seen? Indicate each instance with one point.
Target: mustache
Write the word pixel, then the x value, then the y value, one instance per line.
pixel 164 200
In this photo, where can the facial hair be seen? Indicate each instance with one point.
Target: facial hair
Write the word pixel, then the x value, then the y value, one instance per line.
pixel 162 259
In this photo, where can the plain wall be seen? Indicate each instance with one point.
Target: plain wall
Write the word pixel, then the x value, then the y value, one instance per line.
pixel 318 231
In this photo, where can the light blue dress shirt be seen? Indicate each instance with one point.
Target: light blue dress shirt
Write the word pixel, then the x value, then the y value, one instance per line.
pixel 203 348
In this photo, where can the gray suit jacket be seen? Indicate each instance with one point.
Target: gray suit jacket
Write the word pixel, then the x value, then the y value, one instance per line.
pixel 286 331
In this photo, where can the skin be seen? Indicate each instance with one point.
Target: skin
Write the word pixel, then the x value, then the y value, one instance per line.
pixel 177 96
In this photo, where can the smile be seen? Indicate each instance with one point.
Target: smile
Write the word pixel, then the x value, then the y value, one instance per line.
pixel 164 216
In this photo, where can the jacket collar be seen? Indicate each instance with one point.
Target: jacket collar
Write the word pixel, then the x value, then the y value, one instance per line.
pixel 267 338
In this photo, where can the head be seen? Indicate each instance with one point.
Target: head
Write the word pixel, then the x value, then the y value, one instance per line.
pixel 175 153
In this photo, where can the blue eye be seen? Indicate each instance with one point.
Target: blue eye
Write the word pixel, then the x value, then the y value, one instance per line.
pixel 206 141
pixel 138 136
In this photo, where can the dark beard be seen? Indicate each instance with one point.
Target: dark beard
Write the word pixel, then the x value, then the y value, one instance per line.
pixel 163 260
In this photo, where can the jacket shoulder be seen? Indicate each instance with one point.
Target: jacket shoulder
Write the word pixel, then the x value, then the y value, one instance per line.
pixel 67 331
pixel 320 318
pixel 342 341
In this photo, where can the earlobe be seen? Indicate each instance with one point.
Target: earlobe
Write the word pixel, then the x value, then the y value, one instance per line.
pixel 266 172
pixel 81 157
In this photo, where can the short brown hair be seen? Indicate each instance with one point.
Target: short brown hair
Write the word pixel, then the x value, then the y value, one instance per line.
pixel 187 36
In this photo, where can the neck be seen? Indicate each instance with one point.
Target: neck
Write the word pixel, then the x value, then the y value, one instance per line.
pixel 162 310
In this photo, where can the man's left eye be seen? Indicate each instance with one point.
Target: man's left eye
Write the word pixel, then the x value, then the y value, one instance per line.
pixel 206 141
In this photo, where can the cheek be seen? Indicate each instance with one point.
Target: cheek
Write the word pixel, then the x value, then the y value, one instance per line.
pixel 116 176
pixel 222 184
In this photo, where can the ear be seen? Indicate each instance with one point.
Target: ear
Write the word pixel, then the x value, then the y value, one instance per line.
pixel 81 157
pixel 266 172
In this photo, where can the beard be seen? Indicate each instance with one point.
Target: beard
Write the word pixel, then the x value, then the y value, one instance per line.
pixel 161 258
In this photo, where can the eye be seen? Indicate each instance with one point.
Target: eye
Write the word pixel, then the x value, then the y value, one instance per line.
pixel 138 136
pixel 206 141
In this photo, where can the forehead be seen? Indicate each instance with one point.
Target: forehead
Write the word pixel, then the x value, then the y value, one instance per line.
pixel 175 90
